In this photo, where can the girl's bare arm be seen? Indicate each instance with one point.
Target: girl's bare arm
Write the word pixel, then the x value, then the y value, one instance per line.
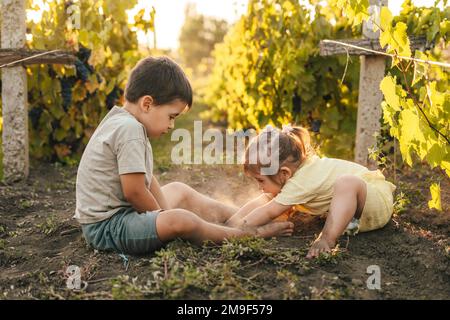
pixel 265 213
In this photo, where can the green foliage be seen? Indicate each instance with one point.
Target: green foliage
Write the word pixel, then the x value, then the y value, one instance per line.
pixel 198 36
pixel 417 100
pixel 268 71
pixel 356 10
pixel 66 102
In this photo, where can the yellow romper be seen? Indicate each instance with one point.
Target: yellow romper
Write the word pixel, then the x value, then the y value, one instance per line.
pixel 310 190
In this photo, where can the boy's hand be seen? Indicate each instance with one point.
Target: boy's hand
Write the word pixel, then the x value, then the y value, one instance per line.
pixel 156 191
pixel 136 192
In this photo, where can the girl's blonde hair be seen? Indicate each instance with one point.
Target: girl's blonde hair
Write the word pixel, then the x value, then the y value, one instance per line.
pixel 294 146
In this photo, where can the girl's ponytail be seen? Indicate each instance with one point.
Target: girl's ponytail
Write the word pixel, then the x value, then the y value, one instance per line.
pixel 294 147
pixel 301 139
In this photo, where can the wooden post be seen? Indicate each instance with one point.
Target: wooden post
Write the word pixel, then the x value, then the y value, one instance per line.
pixel 370 96
pixel 14 95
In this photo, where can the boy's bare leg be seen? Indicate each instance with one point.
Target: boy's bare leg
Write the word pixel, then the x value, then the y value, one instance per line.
pixel 180 195
pixel 348 201
pixel 236 219
pixel 179 223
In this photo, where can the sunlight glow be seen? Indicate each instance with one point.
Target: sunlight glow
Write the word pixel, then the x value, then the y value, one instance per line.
pixel 170 15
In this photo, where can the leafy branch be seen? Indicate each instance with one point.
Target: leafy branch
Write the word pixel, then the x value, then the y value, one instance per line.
pixel 417 104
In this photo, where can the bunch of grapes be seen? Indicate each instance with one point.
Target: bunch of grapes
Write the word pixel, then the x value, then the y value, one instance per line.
pixel 82 70
pixel 315 125
pixel 99 79
pixel 51 72
pixel 82 65
pixel 296 104
pixel 66 91
pixel 84 54
pixel 55 125
pixel 35 114
pixel 112 97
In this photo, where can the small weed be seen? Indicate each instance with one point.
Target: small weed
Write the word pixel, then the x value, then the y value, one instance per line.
pixel 49 226
pixel 3 231
pixel 327 293
pixel 3 244
pixel 330 258
pixel 291 291
pixel 25 204
pixel 12 234
pixel 401 203
pixel 126 288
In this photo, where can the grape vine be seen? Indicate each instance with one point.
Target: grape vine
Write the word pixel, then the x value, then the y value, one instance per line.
pixel 66 102
pixel 268 71
pixel 417 100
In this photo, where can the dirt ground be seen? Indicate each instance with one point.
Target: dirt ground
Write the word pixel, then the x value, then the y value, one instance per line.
pixel 39 240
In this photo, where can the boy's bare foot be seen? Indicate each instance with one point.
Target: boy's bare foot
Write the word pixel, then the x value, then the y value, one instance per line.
pixel 275 229
pixel 319 246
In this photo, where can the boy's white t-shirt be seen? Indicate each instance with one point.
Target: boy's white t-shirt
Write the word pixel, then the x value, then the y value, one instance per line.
pixel 118 146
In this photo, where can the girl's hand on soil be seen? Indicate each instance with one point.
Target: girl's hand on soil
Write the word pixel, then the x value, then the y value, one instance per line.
pixel 319 246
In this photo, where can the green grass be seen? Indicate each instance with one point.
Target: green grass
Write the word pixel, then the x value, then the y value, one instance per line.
pixel 236 269
pixel 246 268
pixel 162 147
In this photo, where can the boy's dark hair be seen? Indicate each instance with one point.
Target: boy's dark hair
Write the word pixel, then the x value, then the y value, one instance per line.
pixel 161 78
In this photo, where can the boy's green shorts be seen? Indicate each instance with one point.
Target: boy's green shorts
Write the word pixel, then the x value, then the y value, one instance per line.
pixel 127 232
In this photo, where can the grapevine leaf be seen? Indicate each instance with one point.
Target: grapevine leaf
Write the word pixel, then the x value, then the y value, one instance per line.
pixel 435 202
pixel 388 87
pixel 401 40
pixel 385 18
